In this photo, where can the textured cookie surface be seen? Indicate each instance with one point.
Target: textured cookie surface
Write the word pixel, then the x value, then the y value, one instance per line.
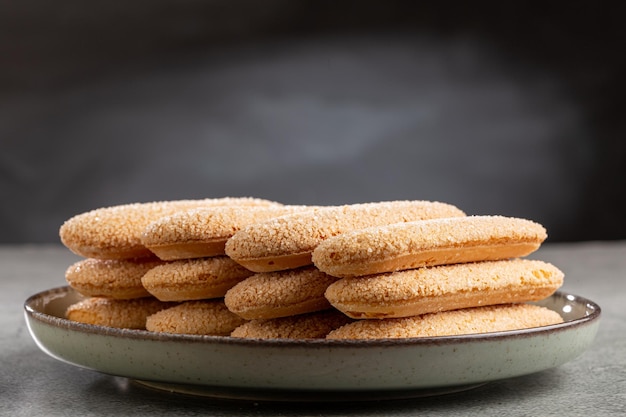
pixel 426 243
pixel 128 314
pixel 449 323
pixel 210 317
pixel 194 279
pixel 447 287
pixel 287 242
pixel 115 232
pixel 303 326
pixel 110 278
pixel 204 231
pixel 280 294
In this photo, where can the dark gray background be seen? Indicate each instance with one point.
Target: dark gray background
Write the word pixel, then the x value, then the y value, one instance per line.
pixel 498 108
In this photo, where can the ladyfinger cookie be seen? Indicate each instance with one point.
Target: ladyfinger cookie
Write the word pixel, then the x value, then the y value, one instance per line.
pixel 109 312
pixel 427 243
pixel 450 323
pixel 115 232
pixel 203 232
pixel 194 279
pixel 447 287
pixel 269 295
pixel 302 326
pixel 203 317
pixel 114 278
pixel 287 242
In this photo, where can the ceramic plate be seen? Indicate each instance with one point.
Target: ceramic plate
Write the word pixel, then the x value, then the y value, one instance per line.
pixel 312 369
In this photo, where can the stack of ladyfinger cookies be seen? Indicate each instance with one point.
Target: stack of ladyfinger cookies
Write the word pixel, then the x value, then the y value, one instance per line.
pixel 253 268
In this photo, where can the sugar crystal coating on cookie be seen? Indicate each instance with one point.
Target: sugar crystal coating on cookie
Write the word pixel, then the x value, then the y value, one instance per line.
pixel 429 242
pixel 129 314
pixel 300 233
pixel 279 294
pixel 449 323
pixel 115 232
pixel 444 287
pixel 115 278
pixel 202 232
pixel 194 279
pixel 206 317
pixel 209 223
pixel 303 326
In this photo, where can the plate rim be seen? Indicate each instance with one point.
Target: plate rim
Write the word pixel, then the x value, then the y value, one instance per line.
pixel 64 323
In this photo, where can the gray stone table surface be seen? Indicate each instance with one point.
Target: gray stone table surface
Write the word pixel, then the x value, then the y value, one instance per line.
pixel 34 384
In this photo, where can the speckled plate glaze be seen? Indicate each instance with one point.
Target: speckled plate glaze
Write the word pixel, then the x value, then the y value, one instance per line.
pixel 289 370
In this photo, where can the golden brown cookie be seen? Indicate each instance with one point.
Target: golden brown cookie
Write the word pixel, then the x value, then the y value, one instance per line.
pixel 194 279
pixel 446 287
pixel 203 232
pixel 207 317
pixel 126 314
pixel 449 323
pixel 113 278
pixel 279 294
pixel 115 232
pixel 303 326
pixel 417 244
pixel 287 242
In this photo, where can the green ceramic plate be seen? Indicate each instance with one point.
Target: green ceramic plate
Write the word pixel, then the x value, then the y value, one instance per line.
pixel 312 369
